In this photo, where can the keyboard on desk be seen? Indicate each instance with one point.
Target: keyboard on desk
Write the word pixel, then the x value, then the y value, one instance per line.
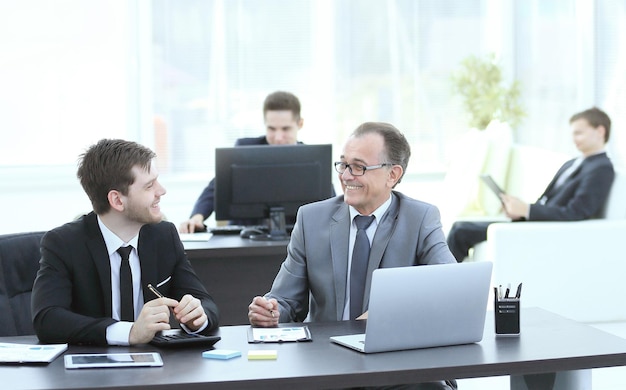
pixel 232 229
pixel 179 338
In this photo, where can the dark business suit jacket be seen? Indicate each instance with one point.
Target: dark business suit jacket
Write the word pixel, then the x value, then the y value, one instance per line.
pixel 581 196
pixel 71 298
pixel 313 276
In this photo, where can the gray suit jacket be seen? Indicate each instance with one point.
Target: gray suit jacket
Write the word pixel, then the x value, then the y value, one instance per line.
pixel 313 276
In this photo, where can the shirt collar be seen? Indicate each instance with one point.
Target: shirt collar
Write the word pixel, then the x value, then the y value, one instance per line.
pixel 582 157
pixel 112 241
pixel 378 213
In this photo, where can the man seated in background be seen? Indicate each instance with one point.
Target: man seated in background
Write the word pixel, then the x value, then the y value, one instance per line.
pixel 281 113
pixel 91 287
pixel 578 191
pixel 322 278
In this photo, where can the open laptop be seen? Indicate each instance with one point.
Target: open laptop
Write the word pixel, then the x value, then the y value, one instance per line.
pixel 424 306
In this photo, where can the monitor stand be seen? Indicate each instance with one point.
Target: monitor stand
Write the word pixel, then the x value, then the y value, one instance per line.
pixel 278 227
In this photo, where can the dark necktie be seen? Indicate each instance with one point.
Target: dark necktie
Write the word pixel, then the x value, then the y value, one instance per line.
pixel 126 286
pixel 358 270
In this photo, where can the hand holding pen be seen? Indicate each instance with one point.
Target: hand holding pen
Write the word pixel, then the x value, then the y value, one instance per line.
pixel 188 311
pixel 154 317
pixel 263 312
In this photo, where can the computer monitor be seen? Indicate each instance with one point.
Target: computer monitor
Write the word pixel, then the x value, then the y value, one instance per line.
pixel 270 182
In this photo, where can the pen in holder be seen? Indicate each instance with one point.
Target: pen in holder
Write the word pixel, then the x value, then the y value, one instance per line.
pixel 507 312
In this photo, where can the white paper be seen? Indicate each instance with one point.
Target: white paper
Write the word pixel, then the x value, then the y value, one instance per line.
pixel 30 353
pixel 195 236
pixel 279 334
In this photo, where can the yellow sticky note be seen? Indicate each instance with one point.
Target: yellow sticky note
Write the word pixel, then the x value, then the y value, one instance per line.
pixel 263 354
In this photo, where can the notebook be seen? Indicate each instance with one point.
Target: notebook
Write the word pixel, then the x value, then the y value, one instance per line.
pixel 424 306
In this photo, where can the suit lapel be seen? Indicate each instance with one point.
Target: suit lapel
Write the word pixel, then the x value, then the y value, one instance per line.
pixel 147 251
pixel 340 236
pixel 553 190
pixel 100 258
pixel 550 186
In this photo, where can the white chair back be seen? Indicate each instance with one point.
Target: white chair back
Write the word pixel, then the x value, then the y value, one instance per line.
pixel 615 207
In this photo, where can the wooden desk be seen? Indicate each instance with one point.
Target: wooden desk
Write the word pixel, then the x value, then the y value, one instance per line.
pixel 549 343
pixel 235 270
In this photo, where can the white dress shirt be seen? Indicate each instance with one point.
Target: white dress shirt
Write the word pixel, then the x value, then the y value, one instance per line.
pixel 118 333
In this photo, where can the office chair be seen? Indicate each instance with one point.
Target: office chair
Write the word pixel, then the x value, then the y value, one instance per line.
pixel 19 263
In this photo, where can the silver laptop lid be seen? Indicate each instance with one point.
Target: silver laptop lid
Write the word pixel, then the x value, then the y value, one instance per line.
pixel 427 306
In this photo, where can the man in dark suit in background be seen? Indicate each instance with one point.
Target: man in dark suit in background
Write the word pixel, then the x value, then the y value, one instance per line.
pixel 281 113
pixel 578 190
pixel 79 296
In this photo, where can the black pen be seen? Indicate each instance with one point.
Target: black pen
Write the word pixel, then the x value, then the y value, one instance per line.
pixel 518 294
pixel 508 289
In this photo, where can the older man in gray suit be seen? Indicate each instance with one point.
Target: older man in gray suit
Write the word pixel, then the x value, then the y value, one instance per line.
pixel 314 281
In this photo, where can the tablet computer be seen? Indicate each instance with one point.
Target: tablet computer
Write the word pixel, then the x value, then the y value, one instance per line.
pixel 104 360
pixel 492 185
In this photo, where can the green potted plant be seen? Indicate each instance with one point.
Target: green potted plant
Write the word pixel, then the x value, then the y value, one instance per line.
pixel 494 110
pixel 485 97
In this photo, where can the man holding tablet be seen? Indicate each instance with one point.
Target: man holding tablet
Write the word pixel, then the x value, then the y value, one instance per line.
pixel 578 190
pixel 91 287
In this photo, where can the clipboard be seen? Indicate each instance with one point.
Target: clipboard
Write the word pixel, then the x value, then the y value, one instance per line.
pixel 279 335
pixel 493 186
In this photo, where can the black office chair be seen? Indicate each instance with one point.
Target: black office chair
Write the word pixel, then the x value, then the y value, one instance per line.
pixel 19 263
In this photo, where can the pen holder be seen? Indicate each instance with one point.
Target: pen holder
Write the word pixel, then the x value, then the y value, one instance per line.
pixel 507 317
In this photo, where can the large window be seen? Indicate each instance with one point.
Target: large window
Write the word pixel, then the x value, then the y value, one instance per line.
pixel 348 61
pixel 610 70
pixel 185 77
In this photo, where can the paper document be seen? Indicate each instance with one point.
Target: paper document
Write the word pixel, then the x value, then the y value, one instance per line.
pixel 278 335
pixel 30 353
pixel 195 236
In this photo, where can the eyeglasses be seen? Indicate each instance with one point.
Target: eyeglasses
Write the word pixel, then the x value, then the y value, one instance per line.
pixel 357 169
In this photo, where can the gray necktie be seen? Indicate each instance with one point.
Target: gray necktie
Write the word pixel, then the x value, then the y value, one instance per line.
pixel 360 260
pixel 126 285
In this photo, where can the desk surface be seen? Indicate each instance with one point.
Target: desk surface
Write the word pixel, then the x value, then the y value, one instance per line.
pixel 233 246
pixel 549 343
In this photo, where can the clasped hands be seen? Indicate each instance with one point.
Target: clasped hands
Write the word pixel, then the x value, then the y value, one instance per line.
pixel 155 317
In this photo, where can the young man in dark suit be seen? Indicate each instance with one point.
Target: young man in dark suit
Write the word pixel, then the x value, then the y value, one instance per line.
pixel 87 291
pixel 281 113
pixel 578 190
